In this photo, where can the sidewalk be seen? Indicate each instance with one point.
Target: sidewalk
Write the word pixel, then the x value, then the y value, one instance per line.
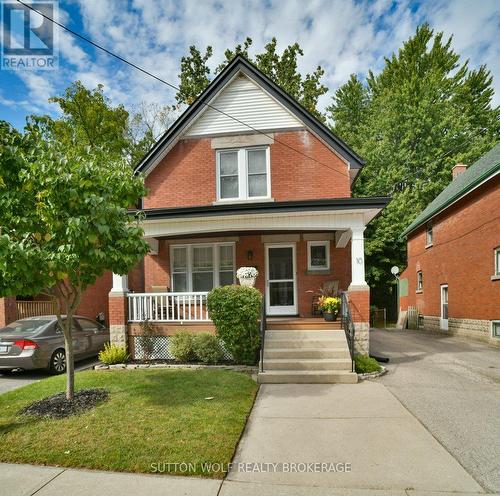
pixel 364 425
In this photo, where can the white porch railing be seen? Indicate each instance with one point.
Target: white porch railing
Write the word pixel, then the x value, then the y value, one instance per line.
pixel 168 307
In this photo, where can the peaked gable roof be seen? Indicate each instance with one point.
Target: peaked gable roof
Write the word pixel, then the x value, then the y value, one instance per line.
pixel 240 65
pixel 481 170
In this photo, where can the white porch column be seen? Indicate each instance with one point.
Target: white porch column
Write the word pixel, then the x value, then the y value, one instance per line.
pixel 120 284
pixel 357 257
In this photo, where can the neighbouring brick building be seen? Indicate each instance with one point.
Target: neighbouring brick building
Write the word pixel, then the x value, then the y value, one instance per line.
pixel 245 177
pixel 453 271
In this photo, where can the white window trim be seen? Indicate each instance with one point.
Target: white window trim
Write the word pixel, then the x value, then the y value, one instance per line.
pixel 189 262
pixel 493 322
pixel 310 244
pixel 243 175
pixel 496 260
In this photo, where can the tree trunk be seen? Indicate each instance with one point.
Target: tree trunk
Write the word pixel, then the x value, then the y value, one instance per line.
pixel 70 362
pixel 67 299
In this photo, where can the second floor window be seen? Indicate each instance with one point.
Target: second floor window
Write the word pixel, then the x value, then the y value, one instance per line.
pixel 243 174
pixel 420 281
pixel 497 261
pixel 428 234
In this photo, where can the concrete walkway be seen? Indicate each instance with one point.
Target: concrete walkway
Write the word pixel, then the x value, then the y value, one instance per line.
pixel 368 443
pixel 362 425
pixel 453 388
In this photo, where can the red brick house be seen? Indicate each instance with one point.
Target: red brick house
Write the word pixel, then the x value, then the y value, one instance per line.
pixel 245 177
pixel 453 271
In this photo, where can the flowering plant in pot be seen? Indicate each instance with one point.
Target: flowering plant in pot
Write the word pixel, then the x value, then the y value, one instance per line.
pixel 330 306
pixel 247 275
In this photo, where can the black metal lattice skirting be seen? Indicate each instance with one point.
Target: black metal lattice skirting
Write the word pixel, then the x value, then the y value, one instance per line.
pixel 161 349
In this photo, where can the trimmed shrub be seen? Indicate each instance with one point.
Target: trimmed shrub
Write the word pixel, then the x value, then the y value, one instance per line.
pixel 366 364
pixel 147 339
pixel 207 348
pixel 181 346
pixel 235 312
pixel 113 354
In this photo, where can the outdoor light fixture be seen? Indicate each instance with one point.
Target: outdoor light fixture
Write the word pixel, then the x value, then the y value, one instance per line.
pixel 395 270
pixel 249 255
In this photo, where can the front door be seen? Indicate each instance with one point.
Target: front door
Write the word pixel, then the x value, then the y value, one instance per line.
pixel 281 284
pixel 444 307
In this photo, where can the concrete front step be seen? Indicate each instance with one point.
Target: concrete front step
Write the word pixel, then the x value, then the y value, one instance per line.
pixel 305 343
pixel 307 377
pixel 308 364
pixel 300 333
pixel 297 353
pixel 303 325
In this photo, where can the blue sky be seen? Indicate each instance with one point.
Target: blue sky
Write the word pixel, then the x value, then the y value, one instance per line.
pixel 343 36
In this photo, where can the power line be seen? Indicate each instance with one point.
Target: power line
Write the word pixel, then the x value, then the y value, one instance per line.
pixel 463 235
pixel 144 71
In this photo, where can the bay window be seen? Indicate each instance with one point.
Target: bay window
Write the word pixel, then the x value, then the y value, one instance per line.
pixel 202 267
pixel 243 174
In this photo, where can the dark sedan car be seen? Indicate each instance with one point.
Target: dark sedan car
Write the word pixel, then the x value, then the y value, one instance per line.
pixel 38 342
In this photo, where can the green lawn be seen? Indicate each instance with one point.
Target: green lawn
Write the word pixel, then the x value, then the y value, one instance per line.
pixel 152 417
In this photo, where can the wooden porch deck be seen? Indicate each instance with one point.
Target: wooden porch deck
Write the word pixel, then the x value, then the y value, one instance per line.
pixel 273 323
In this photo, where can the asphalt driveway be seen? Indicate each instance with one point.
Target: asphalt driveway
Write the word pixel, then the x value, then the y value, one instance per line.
pixel 453 388
pixel 17 379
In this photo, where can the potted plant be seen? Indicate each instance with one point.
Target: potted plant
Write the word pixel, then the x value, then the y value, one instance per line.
pixel 330 306
pixel 247 275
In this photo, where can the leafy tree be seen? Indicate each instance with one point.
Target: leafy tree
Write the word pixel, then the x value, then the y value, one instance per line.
pixel 281 68
pixel 64 221
pixel 145 125
pixel 90 120
pixel 349 111
pixel 424 112
pixel 194 76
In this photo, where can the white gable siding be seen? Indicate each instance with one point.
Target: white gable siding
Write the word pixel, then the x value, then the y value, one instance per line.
pixel 248 103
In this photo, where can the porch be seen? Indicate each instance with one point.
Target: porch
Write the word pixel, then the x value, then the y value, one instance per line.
pixel 298 248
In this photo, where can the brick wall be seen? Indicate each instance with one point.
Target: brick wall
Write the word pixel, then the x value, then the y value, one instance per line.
pixel 95 298
pixel 8 311
pixel 187 176
pixel 157 267
pixel 464 239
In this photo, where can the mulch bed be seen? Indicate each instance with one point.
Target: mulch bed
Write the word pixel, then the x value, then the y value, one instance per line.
pixel 59 407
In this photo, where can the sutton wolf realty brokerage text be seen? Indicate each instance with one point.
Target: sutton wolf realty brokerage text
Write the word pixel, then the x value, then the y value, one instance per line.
pixel 286 467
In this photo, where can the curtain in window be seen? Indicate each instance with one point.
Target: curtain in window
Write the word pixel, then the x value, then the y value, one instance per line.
pixel 257 177
pixel 203 268
pixel 226 265
pixel 228 175
pixel 179 273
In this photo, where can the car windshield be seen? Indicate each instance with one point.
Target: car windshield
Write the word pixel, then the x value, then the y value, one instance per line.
pixel 28 326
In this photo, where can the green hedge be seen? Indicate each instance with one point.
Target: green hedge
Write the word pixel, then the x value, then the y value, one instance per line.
pixel 366 364
pixel 181 346
pixel 207 348
pixel 235 312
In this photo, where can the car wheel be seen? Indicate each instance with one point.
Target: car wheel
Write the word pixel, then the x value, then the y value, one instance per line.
pixel 57 363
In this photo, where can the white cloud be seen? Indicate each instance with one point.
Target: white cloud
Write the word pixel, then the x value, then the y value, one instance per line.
pixel 344 36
